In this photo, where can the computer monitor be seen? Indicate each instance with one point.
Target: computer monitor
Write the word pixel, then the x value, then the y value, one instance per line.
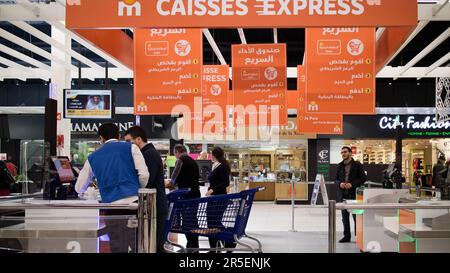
pixel 63 168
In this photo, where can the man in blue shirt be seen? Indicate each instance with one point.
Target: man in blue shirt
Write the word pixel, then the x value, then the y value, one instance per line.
pixel 120 170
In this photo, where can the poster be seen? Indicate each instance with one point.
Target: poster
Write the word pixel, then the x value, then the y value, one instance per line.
pixel 340 70
pixel 168 68
pixel 259 84
pixel 311 122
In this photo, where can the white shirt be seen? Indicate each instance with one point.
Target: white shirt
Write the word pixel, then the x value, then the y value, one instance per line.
pixel 86 174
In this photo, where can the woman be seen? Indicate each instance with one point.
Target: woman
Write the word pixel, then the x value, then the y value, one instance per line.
pixel 219 180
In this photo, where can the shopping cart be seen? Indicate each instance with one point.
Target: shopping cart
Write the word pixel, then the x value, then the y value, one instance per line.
pixel 222 217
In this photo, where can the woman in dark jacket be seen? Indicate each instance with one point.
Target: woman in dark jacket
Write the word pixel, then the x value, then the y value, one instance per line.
pixel 219 180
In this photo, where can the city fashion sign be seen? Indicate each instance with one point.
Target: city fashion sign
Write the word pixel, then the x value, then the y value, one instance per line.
pixel 239 13
pixel 384 126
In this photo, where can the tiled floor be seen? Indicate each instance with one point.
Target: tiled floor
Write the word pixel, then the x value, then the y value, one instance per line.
pixel 271 224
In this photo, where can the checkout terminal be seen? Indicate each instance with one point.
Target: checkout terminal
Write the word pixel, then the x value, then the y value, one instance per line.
pixel 62 179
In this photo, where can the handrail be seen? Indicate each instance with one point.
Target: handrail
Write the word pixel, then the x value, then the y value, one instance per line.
pixel 21 196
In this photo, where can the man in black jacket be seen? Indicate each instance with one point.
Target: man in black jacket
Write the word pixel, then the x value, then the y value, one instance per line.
pixel 186 176
pixel 155 166
pixel 350 175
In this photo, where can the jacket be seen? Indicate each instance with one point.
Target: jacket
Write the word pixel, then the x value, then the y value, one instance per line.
pixel 357 177
pixel 156 181
pixel 219 180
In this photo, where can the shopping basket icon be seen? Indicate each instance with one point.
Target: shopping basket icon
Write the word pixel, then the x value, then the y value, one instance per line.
pixel 221 217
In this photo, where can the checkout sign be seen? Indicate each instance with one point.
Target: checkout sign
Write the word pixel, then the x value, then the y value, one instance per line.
pixel 239 13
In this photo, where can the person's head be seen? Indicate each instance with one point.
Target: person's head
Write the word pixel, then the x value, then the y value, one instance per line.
pixel 179 150
pixel 203 156
pixel 346 153
pixel 441 159
pixel 136 135
pixel 108 131
pixel 218 155
pixel 96 99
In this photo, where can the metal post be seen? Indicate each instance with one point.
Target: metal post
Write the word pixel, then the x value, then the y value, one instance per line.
pixel 146 241
pixel 293 204
pixel 332 226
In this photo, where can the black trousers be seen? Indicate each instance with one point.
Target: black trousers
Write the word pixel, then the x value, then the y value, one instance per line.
pixel 160 221
pixel 122 239
pixel 346 223
pixel 214 216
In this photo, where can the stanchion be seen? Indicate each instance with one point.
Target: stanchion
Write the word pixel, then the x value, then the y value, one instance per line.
pixel 146 241
pixel 332 226
pixel 293 204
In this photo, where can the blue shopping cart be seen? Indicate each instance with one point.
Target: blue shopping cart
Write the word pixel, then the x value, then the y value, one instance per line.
pixel 222 217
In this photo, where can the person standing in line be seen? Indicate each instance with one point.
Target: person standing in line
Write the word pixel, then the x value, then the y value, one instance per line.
pixel 186 175
pixel 120 170
pixel 350 175
pixel 137 136
pixel 219 180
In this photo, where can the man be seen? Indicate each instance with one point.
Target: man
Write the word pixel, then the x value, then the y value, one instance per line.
pixel 186 175
pixel 120 170
pixel 95 103
pixel 350 175
pixel 439 173
pixel 137 136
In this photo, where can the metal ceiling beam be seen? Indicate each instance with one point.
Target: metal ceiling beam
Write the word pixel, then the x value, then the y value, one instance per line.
pixel 23 57
pixel 427 12
pixel 242 35
pixel 437 64
pixel 419 28
pixel 90 46
pixel 47 39
pixel 439 40
pixel 37 50
pixel 380 32
pixel 22 69
pixel 214 46
pixel 439 6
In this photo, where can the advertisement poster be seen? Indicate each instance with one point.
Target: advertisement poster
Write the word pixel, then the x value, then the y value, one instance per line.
pixel 239 13
pixel 340 70
pixel 93 104
pixel 259 84
pixel 216 83
pixel 310 122
pixel 168 68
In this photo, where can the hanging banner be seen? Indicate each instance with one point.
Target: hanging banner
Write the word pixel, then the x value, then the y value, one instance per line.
pixel 216 83
pixel 331 124
pixel 239 13
pixel 167 71
pixel 340 70
pixel 259 84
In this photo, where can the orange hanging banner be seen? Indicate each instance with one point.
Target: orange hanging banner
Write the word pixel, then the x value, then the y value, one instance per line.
pixel 340 70
pixel 216 83
pixel 167 71
pixel 259 84
pixel 329 124
pixel 239 13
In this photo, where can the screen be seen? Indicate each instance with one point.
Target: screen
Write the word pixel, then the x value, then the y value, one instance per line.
pixel 64 169
pixel 88 104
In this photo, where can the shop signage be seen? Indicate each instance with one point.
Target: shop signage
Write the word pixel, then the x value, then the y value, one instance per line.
pixel 86 129
pixel 259 84
pixel 340 70
pixel 168 69
pixel 383 126
pixel 323 158
pixel 311 122
pixel 216 83
pixel 239 13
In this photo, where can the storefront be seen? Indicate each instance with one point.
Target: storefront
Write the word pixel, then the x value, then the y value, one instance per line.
pixel 373 141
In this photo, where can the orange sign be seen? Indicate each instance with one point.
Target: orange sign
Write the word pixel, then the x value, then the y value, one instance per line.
pixel 314 123
pixel 167 71
pixel 216 83
pixel 259 84
pixel 340 70
pixel 239 13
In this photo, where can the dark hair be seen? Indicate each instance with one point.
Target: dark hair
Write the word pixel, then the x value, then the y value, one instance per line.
pixel 180 148
pixel 136 132
pixel 348 149
pixel 108 131
pixel 219 154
